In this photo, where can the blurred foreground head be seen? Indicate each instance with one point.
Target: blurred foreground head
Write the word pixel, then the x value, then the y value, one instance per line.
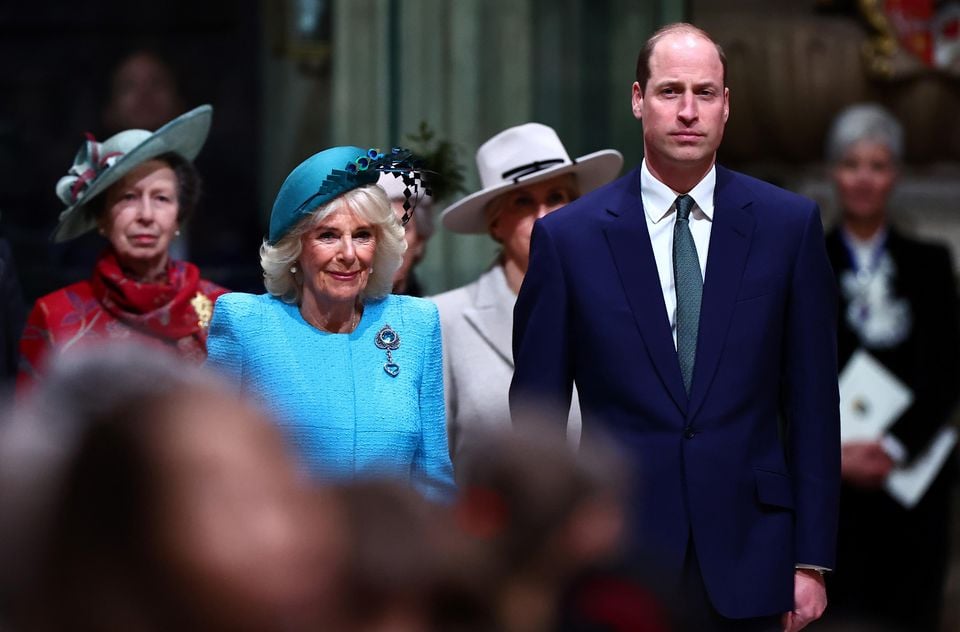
pixel 407 568
pixel 542 512
pixel 531 494
pixel 137 493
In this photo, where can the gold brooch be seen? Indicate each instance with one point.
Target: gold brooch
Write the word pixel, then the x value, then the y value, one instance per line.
pixel 203 306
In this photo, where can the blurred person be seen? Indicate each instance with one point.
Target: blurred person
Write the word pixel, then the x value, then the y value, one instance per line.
pixel 541 514
pixel 11 316
pixel 404 566
pixel 352 372
pixel 899 304
pixel 144 93
pixel 136 188
pixel 417 233
pixel 525 173
pixel 695 310
pixel 234 524
pixel 162 502
pixel 439 159
pixel 613 598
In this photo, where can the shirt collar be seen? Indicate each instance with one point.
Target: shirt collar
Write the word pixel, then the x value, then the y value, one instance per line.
pixel 870 243
pixel 865 253
pixel 658 198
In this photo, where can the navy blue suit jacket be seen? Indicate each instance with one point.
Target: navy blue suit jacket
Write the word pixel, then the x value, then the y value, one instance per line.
pixel 748 464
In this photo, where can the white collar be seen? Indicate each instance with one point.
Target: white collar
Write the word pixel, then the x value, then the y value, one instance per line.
pixel 658 198
pixel 870 243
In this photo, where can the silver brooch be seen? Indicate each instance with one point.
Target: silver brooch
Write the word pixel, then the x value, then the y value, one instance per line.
pixel 389 340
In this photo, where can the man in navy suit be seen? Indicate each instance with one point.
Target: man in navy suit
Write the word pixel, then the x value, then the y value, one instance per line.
pixel 734 440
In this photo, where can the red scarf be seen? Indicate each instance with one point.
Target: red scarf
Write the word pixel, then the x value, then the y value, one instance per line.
pixel 163 309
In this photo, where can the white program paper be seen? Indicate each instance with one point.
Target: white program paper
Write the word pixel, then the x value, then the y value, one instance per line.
pixel 908 484
pixel 871 398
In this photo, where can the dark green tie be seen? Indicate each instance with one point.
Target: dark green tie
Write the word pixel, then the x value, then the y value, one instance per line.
pixel 689 286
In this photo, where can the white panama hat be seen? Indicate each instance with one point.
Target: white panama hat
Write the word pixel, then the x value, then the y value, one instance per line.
pixel 523 155
pixel 99 165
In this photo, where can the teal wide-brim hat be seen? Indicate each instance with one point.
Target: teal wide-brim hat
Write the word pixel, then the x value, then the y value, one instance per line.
pixel 332 172
pixel 97 166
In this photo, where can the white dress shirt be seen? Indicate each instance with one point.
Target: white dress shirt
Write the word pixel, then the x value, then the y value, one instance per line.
pixel 660 208
pixel 865 251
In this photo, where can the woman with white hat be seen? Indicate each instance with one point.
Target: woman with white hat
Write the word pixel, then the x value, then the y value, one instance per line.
pixel 136 188
pixel 525 173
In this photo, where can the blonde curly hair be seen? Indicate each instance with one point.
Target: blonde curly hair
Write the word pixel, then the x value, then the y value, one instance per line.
pixel 368 202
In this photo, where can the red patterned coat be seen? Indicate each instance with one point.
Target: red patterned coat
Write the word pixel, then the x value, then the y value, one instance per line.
pixel 113 307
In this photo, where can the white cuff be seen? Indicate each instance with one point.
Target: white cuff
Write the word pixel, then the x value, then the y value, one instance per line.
pixel 814 567
pixel 894 449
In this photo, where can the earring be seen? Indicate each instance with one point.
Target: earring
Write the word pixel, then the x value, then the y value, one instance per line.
pixel 293 269
pixel 176 233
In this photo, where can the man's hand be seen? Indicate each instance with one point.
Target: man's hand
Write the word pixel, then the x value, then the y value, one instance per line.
pixel 809 600
pixel 864 463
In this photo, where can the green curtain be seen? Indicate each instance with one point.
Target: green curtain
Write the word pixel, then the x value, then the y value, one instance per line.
pixel 471 68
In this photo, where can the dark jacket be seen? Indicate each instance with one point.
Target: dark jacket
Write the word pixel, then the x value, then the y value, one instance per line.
pixel 709 466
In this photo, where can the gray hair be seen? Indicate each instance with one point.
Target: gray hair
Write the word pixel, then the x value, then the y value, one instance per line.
pixel 368 202
pixel 864 121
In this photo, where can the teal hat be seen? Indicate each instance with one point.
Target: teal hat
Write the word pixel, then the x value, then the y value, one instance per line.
pixel 332 172
pixel 98 166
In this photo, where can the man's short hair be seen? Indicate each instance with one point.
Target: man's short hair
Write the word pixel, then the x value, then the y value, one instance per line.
pixel 643 59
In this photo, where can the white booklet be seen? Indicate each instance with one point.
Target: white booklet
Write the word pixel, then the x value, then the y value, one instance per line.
pixel 908 484
pixel 871 398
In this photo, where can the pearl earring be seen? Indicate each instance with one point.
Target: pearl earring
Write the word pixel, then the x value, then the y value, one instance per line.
pixel 176 233
pixel 293 269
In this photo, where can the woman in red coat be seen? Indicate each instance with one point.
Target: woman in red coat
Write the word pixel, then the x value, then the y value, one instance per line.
pixel 136 188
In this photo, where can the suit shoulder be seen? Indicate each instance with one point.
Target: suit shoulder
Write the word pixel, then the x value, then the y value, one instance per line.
pixel 771 193
pixel 240 305
pixel 66 296
pixel 241 301
pixel 591 207
pixel 452 301
pixel 212 289
pixel 419 310
pixel 923 249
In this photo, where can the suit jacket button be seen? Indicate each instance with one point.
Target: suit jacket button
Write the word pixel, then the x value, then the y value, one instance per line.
pixel 689 432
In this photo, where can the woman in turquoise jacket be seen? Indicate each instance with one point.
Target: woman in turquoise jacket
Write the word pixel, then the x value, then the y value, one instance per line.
pixel 353 374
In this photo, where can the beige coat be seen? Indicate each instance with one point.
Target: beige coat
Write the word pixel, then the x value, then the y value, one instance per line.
pixel 476 323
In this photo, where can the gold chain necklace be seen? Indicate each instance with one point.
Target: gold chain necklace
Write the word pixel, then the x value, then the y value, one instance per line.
pixel 354 321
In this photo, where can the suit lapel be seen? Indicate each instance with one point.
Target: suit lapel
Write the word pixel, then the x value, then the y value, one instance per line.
pixel 730 238
pixel 632 253
pixel 491 313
